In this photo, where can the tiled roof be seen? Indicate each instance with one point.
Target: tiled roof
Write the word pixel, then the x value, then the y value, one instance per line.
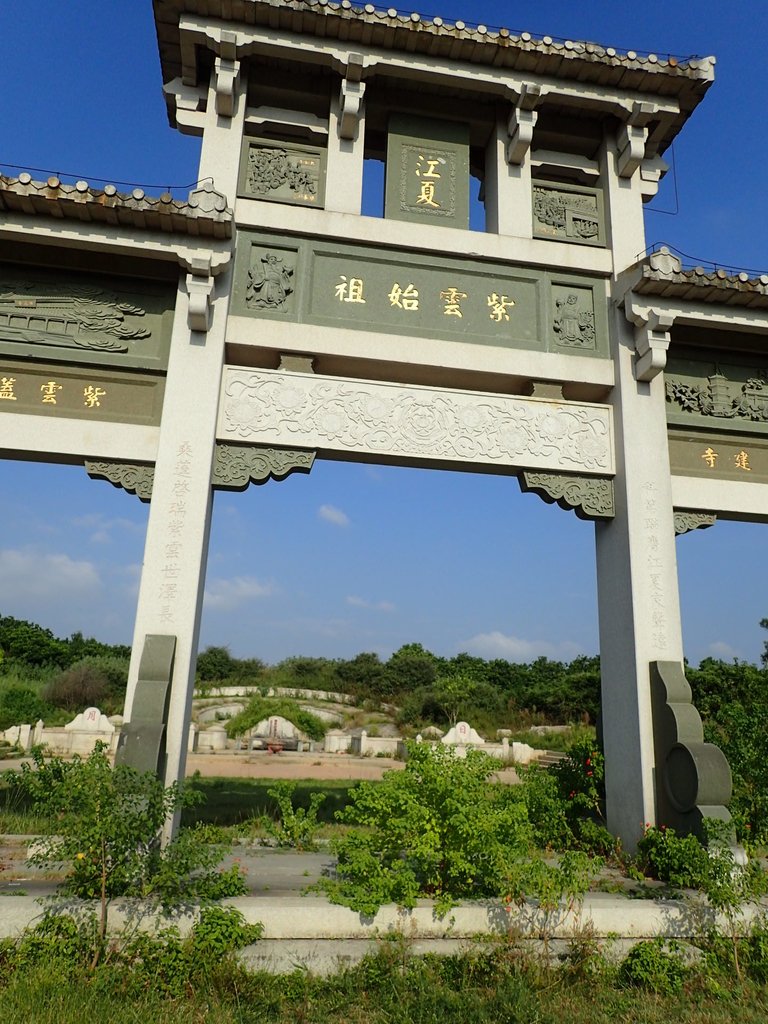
pixel 204 214
pixel 663 275
pixel 376 25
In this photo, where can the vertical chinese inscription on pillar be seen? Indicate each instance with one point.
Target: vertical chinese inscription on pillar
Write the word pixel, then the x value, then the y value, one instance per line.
pixel 172 557
pixel 655 565
pixel 427 171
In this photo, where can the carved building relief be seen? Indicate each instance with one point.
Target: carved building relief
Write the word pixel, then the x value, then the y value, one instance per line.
pixel 567 215
pixel 283 173
pixel 408 423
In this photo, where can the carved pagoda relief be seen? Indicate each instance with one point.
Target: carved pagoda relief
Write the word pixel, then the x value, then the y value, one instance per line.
pixel 69 316
pixel 568 213
pixel 270 281
pixel 722 398
pixel 284 173
pixel 335 414
pixel 574 319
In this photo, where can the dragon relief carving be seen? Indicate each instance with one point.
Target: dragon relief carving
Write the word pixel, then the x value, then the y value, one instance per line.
pixel 270 169
pixel 720 398
pixel 68 316
pixel 574 325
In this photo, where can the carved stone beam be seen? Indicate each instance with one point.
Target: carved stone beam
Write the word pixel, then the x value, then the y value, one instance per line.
pixel 588 497
pixel 632 139
pixel 686 521
pixel 237 466
pixel 352 95
pixel 652 337
pixel 693 779
pixel 522 121
pixel 189 103
pixel 200 291
pixel 132 477
pixel 227 72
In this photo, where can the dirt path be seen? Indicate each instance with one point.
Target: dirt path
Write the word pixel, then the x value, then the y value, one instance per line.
pixel 258 765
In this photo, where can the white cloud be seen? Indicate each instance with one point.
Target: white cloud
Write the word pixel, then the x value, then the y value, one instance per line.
pixel 103 527
pixel 723 651
pixel 30 574
pixel 334 515
pixel 226 595
pixel 500 645
pixel 377 606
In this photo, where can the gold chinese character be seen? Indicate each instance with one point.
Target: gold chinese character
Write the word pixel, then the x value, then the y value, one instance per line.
pixel 430 173
pixel 91 396
pixel 404 298
pixel 710 457
pixel 49 390
pixel 498 306
pixel 742 461
pixel 350 290
pixel 6 389
pixel 452 299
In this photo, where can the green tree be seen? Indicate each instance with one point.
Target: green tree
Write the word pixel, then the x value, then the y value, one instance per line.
pixel 764 655
pixel 454 694
pixel 410 668
pixel 108 824
pixel 19 705
pixel 215 664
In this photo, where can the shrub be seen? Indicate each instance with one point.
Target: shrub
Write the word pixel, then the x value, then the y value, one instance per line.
pixel 679 860
pixel 297 826
pixel 436 829
pixel 654 965
pixel 260 708
pixel 81 686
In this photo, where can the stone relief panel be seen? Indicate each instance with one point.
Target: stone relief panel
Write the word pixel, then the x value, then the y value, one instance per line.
pixel 270 280
pixel 568 213
pixel 84 318
pixel 408 423
pixel 283 173
pixel 574 317
pixel 588 497
pixel 720 397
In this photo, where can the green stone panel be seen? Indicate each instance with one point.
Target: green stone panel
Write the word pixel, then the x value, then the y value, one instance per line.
pixel 56 390
pixel 715 394
pixel 282 172
pixel 568 213
pixel 416 294
pixel 722 456
pixel 85 318
pixel 427 171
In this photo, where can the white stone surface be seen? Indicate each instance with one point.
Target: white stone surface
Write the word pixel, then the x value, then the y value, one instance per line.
pixel 365 417
pixel 463 734
pixel 91 720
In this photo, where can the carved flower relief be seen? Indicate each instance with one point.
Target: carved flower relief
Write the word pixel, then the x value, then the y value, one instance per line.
pixel 424 423
pixel 592 448
pixel 552 427
pixel 331 420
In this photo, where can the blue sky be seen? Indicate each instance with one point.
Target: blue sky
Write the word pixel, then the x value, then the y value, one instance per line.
pixel 352 557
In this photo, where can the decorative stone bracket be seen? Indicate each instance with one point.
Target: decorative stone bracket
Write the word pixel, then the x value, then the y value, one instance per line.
pixel 235 468
pixel 589 497
pixel 351 98
pixel 632 139
pixel 652 338
pixel 227 74
pixel 200 291
pixel 693 780
pixel 522 122
pixel 686 521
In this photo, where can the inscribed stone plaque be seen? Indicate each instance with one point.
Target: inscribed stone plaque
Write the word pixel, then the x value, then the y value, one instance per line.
pixel 56 390
pixel 85 318
pixel 282 172
pixel 720 456
pixel 568 213
pixel 366 288
pixel 427 171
